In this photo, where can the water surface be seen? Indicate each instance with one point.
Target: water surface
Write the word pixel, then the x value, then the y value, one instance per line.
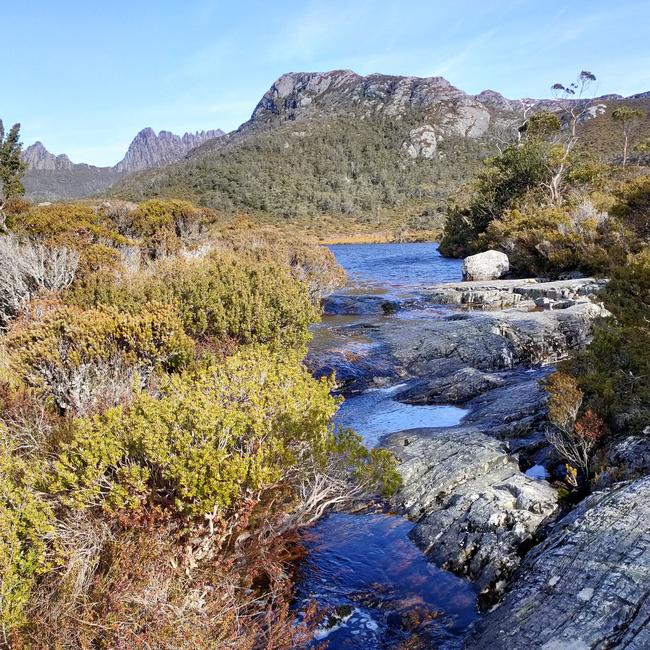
pixel 364 569
pixel 396 265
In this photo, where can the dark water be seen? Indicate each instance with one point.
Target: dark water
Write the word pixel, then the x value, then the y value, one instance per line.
pixel 364 568
pixel 396 265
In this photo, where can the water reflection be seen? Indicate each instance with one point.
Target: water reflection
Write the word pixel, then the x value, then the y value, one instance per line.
pixel 380 587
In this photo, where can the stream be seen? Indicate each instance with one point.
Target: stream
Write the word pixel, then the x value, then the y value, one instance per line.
pixel 363 568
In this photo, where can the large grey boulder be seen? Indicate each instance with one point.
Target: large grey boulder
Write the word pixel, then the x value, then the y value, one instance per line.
pixel 586 586
pixel 490 265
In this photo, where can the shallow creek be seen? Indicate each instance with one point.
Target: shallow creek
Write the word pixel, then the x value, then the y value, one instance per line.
pixel 363 567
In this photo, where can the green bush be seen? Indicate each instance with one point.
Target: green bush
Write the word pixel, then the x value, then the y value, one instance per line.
pixel 222 297
pixel 162 227
pixel 614 371
pixel 516 186
pixel 49 355
pixel 77 226
pixel 253 425
pixel 633 207
pixel 503 180
pixel 26 523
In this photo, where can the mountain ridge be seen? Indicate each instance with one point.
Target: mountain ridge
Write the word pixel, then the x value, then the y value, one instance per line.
pixel 50 176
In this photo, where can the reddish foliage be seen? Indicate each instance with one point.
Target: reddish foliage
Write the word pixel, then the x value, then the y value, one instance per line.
pixel 590 427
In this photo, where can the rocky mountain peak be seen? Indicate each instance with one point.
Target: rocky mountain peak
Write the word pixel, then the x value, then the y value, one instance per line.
pixel 36 156
pixel 297 94
pixel 148 150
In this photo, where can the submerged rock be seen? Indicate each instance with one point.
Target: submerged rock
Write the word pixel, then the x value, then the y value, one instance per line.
pixel 490 265
pixel 586 586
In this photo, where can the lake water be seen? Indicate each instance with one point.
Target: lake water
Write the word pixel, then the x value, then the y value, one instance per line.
pixel 364 568
pixel 395 266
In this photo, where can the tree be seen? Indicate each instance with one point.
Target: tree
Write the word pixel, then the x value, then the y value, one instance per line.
pixel 629 118
pixel 11 166
pixel 573 97
pixel 574 101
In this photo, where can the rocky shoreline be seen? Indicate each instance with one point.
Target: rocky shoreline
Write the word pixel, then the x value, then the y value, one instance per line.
pixel 477 512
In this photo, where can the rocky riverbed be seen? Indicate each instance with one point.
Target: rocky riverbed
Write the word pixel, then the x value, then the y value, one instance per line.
pixel 475 490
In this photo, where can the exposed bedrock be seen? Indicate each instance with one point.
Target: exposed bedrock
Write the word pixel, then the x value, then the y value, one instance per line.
pixel 490 341
pixel 474 509
pixel 586 586
pixel 506 293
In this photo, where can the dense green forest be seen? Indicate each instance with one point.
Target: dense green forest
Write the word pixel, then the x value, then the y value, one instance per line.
pixel 325 176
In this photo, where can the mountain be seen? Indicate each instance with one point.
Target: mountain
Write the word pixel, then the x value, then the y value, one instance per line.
pixel 336 148
pixel 149 150
pixel 38 157
pixel 338 151
pixel 50 177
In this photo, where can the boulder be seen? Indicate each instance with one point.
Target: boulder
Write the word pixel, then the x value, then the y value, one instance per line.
pixel 586 586
pixel 490 265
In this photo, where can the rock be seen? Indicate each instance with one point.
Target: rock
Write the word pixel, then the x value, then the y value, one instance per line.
pixel 515 411
pixel 490 341
pixel 422 142
pixel 474 508
pixel 490 265
pixel 586 586
pixel 508 293
pixel 36 156
pixel 470 119
pixel 627 458
pixel 148 150
pixel 450 383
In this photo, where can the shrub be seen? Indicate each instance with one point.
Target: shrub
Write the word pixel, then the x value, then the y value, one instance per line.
pixel 75 226
pixel 219 298
pixel 59 354
pixel 614 371
pixel 162 227
pixel 27 268
pixel 633 207
pixel 550 240
pixel 314 265
pixel 26 522
pixel 255 425
pixel 503 180
pixel 573 437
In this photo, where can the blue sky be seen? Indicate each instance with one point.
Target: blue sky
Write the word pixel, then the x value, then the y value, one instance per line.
pixel 85 76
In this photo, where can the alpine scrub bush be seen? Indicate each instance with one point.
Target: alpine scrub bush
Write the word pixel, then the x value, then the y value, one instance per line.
pixel 26 523
pixel 614 370
pixel 253 426
pixel 58 354
pixel 218 298
pixel 76 226
pixel 162 227
pixel 314 265
pixel 27 269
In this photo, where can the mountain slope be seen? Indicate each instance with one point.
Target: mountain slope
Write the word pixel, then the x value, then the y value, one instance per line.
pixel 51 177
pixel 340 151
pixel 326 146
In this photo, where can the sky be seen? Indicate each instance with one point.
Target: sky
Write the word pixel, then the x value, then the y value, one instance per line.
pixel 85 76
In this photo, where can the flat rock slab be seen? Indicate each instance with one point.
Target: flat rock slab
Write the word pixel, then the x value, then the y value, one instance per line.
pixel 586 586
pixel 490 341
pixel 506 293
pixel 474 509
